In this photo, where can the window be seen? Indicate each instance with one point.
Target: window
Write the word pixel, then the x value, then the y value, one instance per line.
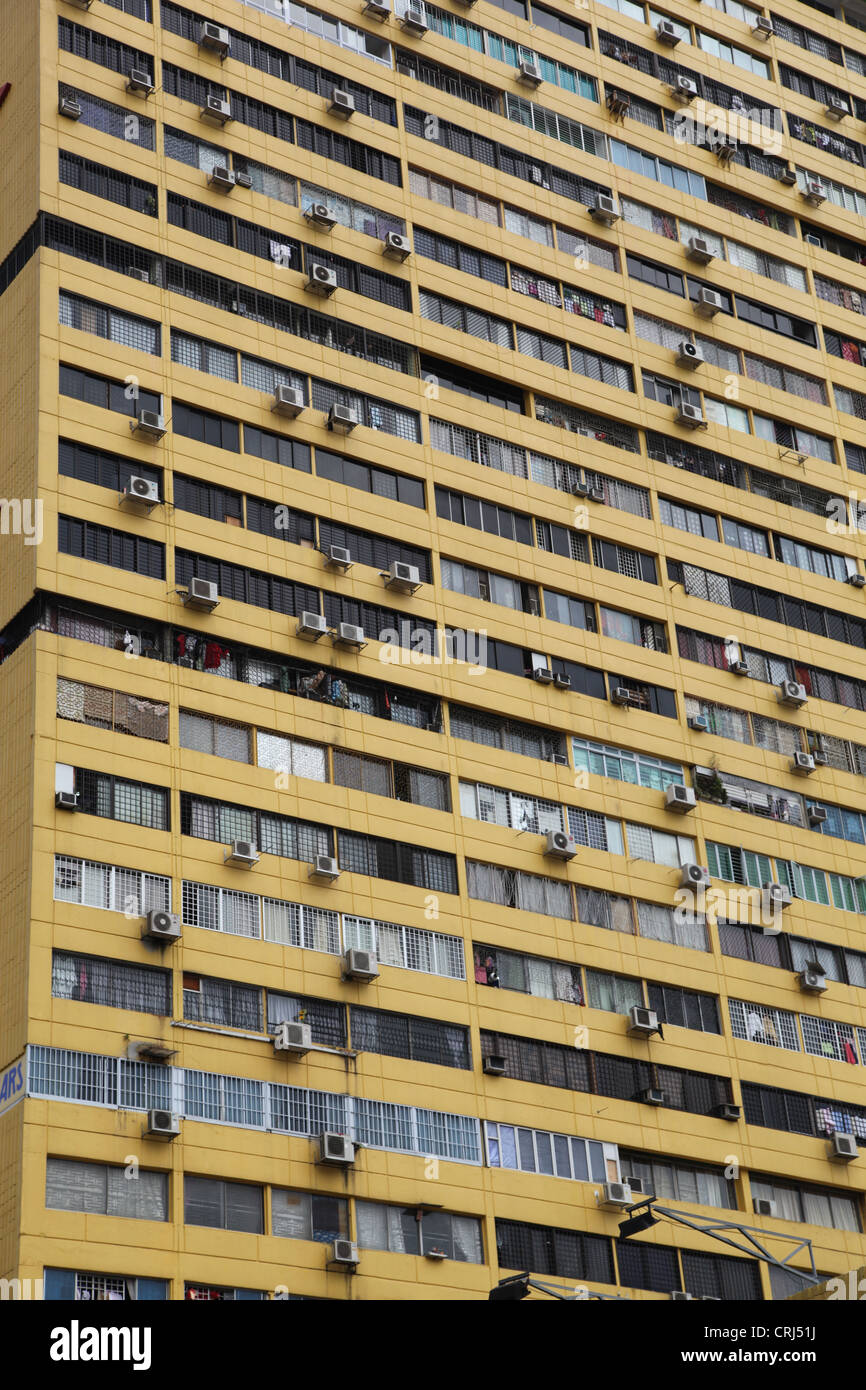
pixel 104 545
pixel 402 863
pixel 309 1216
pixel 114 983
pixel 89 316
pixel 138 803
pixel 399 487
pixel 537 1151
pixel 686 1008
pixel 818 1206
pixel 222 737
pixel 290 453
pixel 549 1250
pixel 91 465
pixel 615 993
pixel 104 182
pixel 222 1002
pixel 512 888
pixel 546 979
pixel 417 1039
pixel 205 427
pixel 229 1206
pixel 326 1019
pixel 408 948
pixel 208 819
pixel 762 1024
pixel 680 1181
pixel 411 1231
pixel 105 1190
pixel 483 516
pixel 110 119
pixel 624 765
pixel 114 889
pixel 69 1285
pixel 112 709
pixel 292 755
pixel 502 807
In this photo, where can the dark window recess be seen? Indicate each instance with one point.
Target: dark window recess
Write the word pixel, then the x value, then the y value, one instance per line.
pixel 115 983
pixel 331 144
pixel 277 62
pixel 206 819
pixel 290 453
pixel 483 516
pixel 850 349
pixel 98 48
pixel 360 279
pixel 114 798
pixel 88 245
pixel 652 1267
pixel 380 623
pixel 686 1008
pixel 448 80
pixel 775 320
pixel 558 24
pixel 799 1114
pixel 402 863
pixel 585 680
pixel 247 585
pixel 549 1250
pixel 281 522
pixel 474 384
pixel 855 455
pixel 721 1276
pixel 102 391
pixel 208 500
pixel 694 287
pixel 494 731
pixel 635 564
pixel 400 487
pixel 459 256
pixel 21 253
pixel 657 699
pixel 104 182
pixel 656 275
pixel 497 655
pixel 222 1002
pixel 200 219
pixel 422 787
pixel 734 201
pixel 89 465
pixel 139 9
pixel 749 943
pixel 418 1039
pixel 206 427
pixel 369 549
pixel 229 1206
pixel 105 546
pixel 326 1019
pixel 623 1078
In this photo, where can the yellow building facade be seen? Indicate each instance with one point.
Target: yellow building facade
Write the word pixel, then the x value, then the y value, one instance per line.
pixel 596 378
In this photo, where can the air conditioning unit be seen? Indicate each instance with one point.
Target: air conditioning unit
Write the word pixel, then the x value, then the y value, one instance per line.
pixel 803 763
pixel 684 87
pixel 396 246
pixel 543 675
pixel 817 815
pixel 821 758
pixel 201 594
pixel 615 1196
pixel 342 419
pixel 406 579
pixel 708 302
pixel 321 279
pixel 678 1296
pixel 141 492
pixel 138 274
pixel 814 193
pixel 377 10
pixel 414 23
pixel 80 4
pixel 214 38
pixel 216 109
pixel 140 83
pixel 788 176
pixel 643 1023
pixel 699 723
pixel 318 215
pixel 288 400
pixel 293 1037
pixel 561 680
pixel 856 580
pixel 595 493
pixel 726 1111
pixel 339 558
pixel 617 103
pixel 68 106
pixel 360 965
pixel 605 210
pixel 789 485
pixel 652 1095
pixel 691 415
pixel 843 1146
pixel 324 869
pixel 812 982
pixel 66 801
pixel 680 798
pixel 689 355
pixel 666 33
pixel 762 27
pixel 494 1065
pixel 160 926
pixel 639 1187
pixel 336 1150
pixel 149 424
pixel 792 693
pixel 161 1124
pixel 242 854
pixel 344 1253
pixel 312 626
pixel 837 108
pixel 559 758
pixel 738 667
pixel 529 73
pixel 775 895
pixel 558 844
pixel 341 104
pixel 349 635
pixel 698 249
pixel 222 178
pixel 694 876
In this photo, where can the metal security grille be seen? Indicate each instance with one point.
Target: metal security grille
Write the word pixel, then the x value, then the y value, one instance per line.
pixel 112 709
pixel 116 799
pixel 109 887
pixel 110 119
pixel 419 1039
pixel 327 1020
pixel 652 1267
pixel 221 1002
pixel 90 980
pixel 105 182
pixel 102 1286
pixel 548 1250
pixel 762 1024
